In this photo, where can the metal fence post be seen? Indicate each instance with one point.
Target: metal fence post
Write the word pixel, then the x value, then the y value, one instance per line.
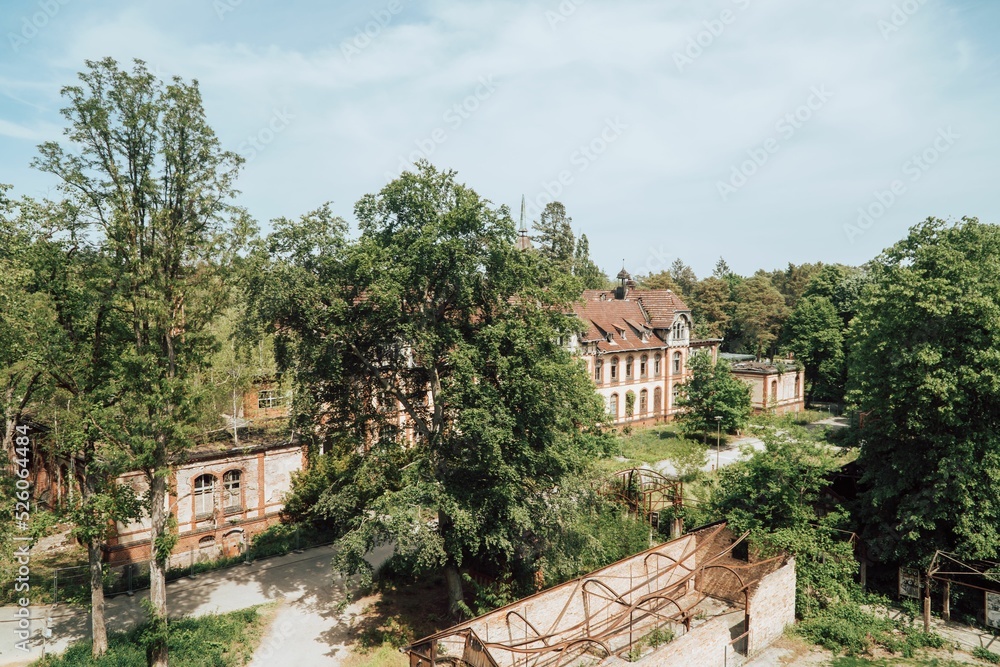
pixel 55 586
pixel 129 592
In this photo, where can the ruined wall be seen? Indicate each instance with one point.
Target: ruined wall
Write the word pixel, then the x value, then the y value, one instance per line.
pixel 564 607
pixel 772 606
pixel 706 645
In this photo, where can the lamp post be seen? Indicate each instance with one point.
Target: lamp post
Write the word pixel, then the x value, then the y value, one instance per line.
pixel 718 439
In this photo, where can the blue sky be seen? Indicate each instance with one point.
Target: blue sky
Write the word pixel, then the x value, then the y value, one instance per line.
pixel 764 131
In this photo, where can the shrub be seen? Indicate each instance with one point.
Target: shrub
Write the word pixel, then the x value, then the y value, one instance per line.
pixel 986 654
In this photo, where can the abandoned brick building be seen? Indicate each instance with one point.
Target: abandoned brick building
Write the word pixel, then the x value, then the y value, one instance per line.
pixel 228 488
pixel 636 345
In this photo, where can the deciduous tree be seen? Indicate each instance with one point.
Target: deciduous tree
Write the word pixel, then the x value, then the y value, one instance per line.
pixel 924 370
pixel 431 325
pixel 151 182
pixel 713 391
pixel 814 333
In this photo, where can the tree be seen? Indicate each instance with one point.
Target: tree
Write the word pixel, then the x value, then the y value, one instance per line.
pixel 758 315
pixel 585 269
pixel 430 327
pixel 710 307
pixel 776 495
pixel 923 370
pixel 554 234
pixel 814 333
pixel 661 280
pixel 683 275
pixel 722 270
pixel 713 391
pixel 842 285
pixel 793 281
pixel 25 316
pixel 151 183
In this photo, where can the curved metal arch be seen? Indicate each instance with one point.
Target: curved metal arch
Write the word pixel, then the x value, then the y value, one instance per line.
pixel 538 635
pixel 583 640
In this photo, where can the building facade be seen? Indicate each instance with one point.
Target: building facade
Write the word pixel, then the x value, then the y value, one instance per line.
pixel 227 489
pixel 774 386
pixel 636 344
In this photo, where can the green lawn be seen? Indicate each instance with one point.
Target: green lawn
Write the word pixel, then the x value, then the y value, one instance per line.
pixel 214 640
pixel 659 443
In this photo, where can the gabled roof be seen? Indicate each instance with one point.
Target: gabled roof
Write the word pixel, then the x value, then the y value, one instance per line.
pixel 650 312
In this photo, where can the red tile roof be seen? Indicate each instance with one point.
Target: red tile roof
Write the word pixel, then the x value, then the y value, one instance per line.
pixel 640 312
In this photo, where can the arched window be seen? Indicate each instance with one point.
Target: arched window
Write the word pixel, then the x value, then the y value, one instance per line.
pixel 629 403
pixel 797 386
pixel 598 366
pixel 774 390
pixel 206 542
pixel 680 329
pixel 677 362
pixel 643 401
pixel 614 369
pixel 613 406
pixel 656 365
pixel 204 496
pixel 628 368
pixel 232 494
pixel 676 393
pixel 643 364
pixel 657 401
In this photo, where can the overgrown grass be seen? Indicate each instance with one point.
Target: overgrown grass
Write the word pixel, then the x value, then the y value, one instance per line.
pixel 214 640
pixel 849 628
pixel 986 654
pixel 384 656
pixel 663 442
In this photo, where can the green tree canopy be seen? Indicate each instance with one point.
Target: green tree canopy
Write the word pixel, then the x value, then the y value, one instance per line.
pixel 149 184
pixel 713 391
pixel 814 333
pixel 431 326
pixel 758 315
pixel 924 371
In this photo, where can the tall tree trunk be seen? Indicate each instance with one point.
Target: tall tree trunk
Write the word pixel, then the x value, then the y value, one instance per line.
pixel 98 629
pixel 156 653
pixel 455 594
pixel 452 576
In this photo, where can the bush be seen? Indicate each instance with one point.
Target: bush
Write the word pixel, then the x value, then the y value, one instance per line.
pixel 849 628
pixel 986 654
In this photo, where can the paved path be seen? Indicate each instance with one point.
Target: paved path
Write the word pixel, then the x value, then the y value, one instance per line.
pixel 309 628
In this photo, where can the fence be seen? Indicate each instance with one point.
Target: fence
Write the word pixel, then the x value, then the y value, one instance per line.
pixel 72 584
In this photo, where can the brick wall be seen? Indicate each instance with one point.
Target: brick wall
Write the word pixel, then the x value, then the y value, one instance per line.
pixel 772 606
pixel 706 645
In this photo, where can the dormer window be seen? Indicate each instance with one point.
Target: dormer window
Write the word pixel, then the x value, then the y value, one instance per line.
pixel 611 337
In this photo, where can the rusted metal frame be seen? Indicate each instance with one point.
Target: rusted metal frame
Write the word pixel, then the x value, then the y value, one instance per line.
pixel 524 619
pixel 614 625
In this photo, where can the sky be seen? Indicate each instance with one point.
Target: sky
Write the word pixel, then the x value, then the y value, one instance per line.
pixel 761 131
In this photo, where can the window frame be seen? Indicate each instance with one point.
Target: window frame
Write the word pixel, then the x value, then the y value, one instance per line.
pixel 227 492
pixel 203 494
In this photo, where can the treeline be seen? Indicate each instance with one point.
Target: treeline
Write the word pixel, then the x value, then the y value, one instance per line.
pixel 804 310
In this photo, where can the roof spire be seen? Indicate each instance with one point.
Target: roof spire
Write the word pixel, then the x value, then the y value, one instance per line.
pixel 523 241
